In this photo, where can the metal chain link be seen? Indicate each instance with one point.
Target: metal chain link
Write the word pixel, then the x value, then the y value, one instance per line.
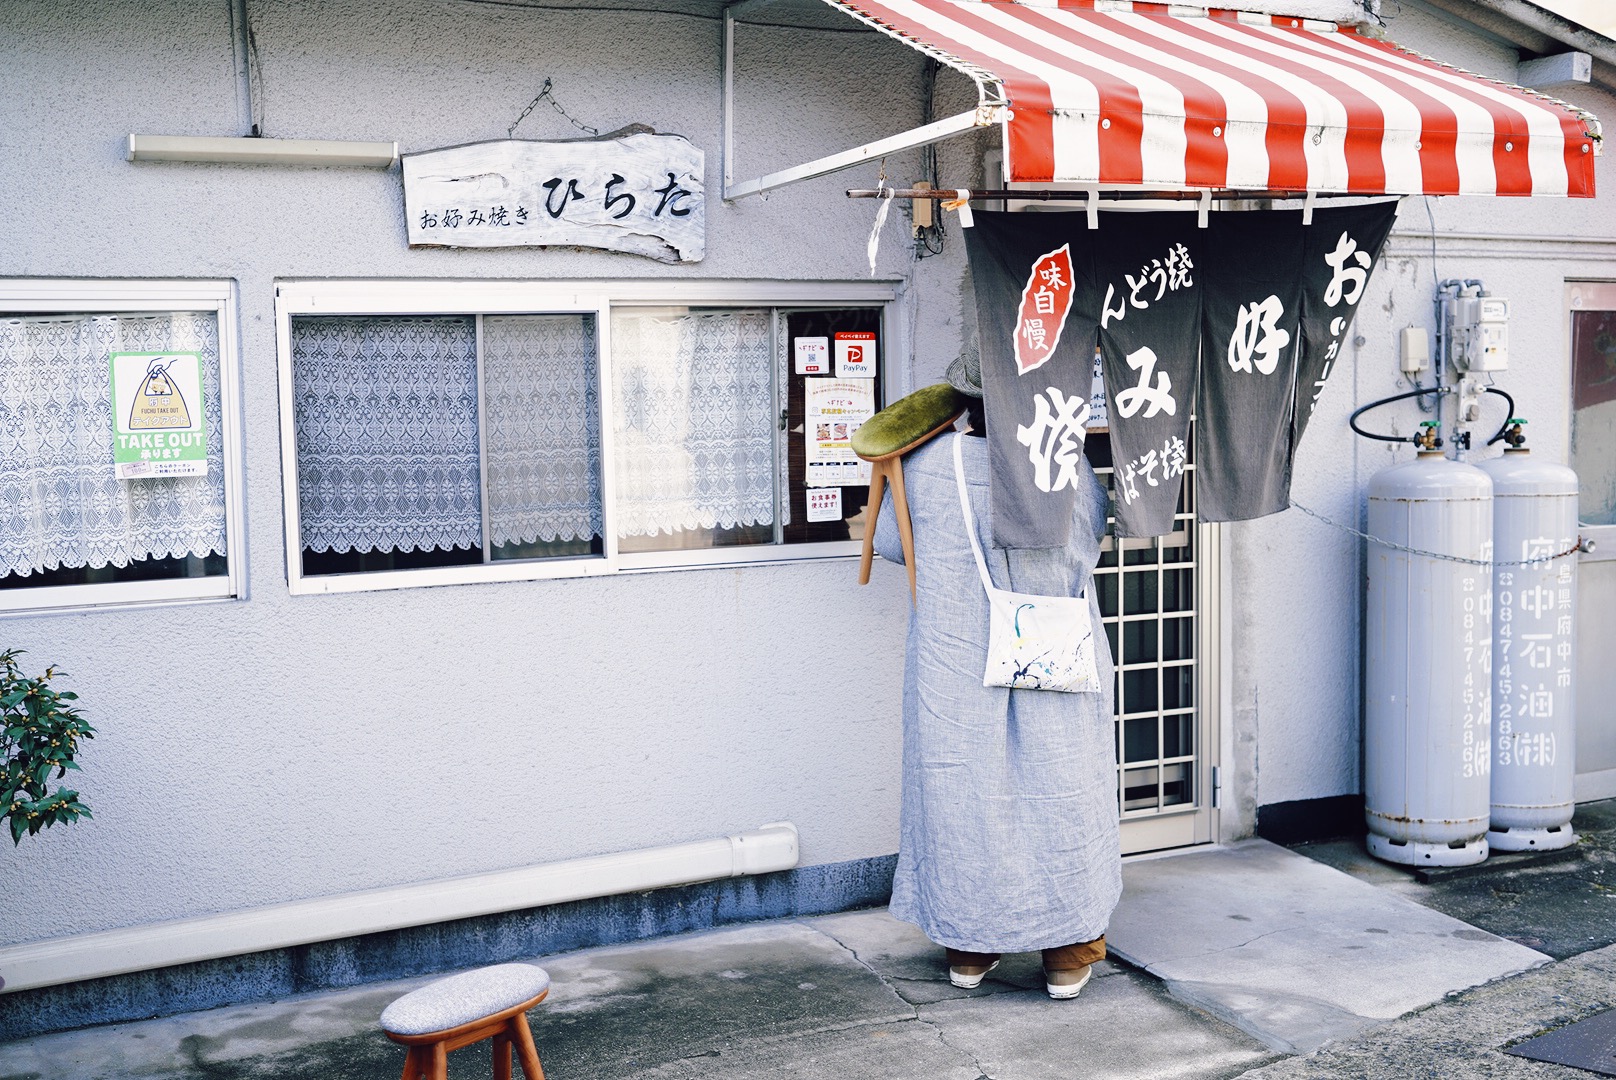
pixel 1572 550
pixel 544 92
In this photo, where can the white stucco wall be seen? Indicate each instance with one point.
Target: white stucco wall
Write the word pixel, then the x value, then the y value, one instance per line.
pixel 281 748
pixel 1294 585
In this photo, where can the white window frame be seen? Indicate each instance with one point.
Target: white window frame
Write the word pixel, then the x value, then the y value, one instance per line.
pixel 360 297
pixel 70 296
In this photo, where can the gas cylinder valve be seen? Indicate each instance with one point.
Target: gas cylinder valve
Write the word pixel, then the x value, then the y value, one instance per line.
pixel 1513 433
pixel 1427 439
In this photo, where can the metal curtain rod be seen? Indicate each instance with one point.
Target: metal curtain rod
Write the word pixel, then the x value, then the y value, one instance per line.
pixel 1047 195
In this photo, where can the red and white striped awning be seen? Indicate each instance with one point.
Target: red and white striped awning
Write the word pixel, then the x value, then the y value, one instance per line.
pixel 1122 94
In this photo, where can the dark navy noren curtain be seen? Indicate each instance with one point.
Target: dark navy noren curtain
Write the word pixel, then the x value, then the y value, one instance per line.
pixel 1035 293
pixel 1240 322
pixel 1150 328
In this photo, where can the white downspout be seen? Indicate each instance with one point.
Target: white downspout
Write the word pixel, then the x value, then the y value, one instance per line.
pixel 55 961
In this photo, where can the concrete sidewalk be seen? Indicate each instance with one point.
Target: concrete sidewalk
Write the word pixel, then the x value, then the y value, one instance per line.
pixel 1247 959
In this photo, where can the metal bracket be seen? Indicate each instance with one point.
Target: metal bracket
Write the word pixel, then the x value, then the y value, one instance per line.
pixel 991 109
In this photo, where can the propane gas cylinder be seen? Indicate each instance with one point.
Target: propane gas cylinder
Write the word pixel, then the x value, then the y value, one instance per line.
pixel 1427 653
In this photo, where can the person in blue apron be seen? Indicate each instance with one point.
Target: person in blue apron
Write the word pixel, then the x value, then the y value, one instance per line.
pixel 1009 828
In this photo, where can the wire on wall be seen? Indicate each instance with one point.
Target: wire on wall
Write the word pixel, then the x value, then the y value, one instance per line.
pixel 930 239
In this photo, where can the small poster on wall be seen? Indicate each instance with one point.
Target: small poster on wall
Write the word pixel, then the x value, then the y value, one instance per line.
pixel 1098 417
pixel 825 504
pixel 855 354
pixel 813 355
pixel 157 415
pixel 833 410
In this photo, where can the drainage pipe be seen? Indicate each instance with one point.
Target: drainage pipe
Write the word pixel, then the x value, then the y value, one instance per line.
pixel 60 960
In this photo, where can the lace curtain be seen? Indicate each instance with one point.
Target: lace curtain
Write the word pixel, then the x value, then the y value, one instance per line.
pixel 386 412
pixel 60 505
pixel 695 421
pixel 542 410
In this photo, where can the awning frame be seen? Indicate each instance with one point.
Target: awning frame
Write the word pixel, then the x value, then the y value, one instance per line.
pixel 992 110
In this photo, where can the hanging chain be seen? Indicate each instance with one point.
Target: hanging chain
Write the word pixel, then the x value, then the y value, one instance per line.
pixel 1572 550
pixel 545 95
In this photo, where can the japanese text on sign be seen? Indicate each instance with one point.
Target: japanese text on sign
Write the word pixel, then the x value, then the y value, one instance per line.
pixel 640 193
pixel 1144 468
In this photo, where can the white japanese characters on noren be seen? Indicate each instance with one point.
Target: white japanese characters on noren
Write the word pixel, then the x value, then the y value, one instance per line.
pixel 1153 398
pixel 1055 438
pixel 1258 337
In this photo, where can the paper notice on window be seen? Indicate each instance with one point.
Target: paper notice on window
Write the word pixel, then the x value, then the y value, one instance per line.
pixel 158 427
pixel 813 355
pixel 1098 417
pixel 833 410
pixel 825 504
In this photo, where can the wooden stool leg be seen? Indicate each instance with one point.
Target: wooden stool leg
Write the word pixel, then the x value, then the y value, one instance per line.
pixel 878 478
pixel 440 1062
pixel 906 532
pixel 525 1050
pixel 502 1057
pixel 417 1063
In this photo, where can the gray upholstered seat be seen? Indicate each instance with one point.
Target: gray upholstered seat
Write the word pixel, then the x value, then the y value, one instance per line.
pixel 461 999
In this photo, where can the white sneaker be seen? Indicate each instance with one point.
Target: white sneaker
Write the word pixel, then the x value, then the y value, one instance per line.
pixel 1063 989
pixel 969 978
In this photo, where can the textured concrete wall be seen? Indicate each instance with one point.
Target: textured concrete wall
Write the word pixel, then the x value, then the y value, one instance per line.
pixel 284 748
pixel 1295 586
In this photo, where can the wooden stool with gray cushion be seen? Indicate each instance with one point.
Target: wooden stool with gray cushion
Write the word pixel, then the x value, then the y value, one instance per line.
pixel 468 1008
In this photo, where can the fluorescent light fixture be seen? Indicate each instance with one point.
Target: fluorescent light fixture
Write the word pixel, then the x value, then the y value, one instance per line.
pixel 248 151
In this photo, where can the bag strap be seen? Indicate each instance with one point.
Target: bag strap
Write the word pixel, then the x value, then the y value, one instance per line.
pixel 970 520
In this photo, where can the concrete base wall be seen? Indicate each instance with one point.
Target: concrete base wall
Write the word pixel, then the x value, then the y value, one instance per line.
pixel 421 950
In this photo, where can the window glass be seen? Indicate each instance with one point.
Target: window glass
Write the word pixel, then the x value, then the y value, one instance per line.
pixel 65 517
pixel 389 473
pixel 1593 424
pixel 693 395
pixel 403 422
pixel 542 414
pixel 456 445
pixel 841 330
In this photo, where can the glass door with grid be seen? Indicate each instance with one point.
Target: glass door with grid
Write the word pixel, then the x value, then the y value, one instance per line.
pixel 1156 603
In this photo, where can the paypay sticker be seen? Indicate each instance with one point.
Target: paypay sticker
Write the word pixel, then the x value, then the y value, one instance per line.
pixel 855 354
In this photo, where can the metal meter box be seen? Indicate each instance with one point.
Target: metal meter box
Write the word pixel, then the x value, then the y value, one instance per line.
pixel 1480 328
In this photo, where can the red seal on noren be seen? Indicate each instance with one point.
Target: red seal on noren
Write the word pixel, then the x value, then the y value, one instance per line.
pixel 1046 300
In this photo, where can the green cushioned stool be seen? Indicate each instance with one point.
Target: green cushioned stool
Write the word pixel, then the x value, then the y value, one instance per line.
pixel 882 440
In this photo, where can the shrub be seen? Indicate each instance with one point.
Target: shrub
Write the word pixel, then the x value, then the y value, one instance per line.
pixel 41 735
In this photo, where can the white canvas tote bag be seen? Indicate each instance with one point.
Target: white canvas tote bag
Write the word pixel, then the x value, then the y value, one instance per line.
pixel 1034 642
